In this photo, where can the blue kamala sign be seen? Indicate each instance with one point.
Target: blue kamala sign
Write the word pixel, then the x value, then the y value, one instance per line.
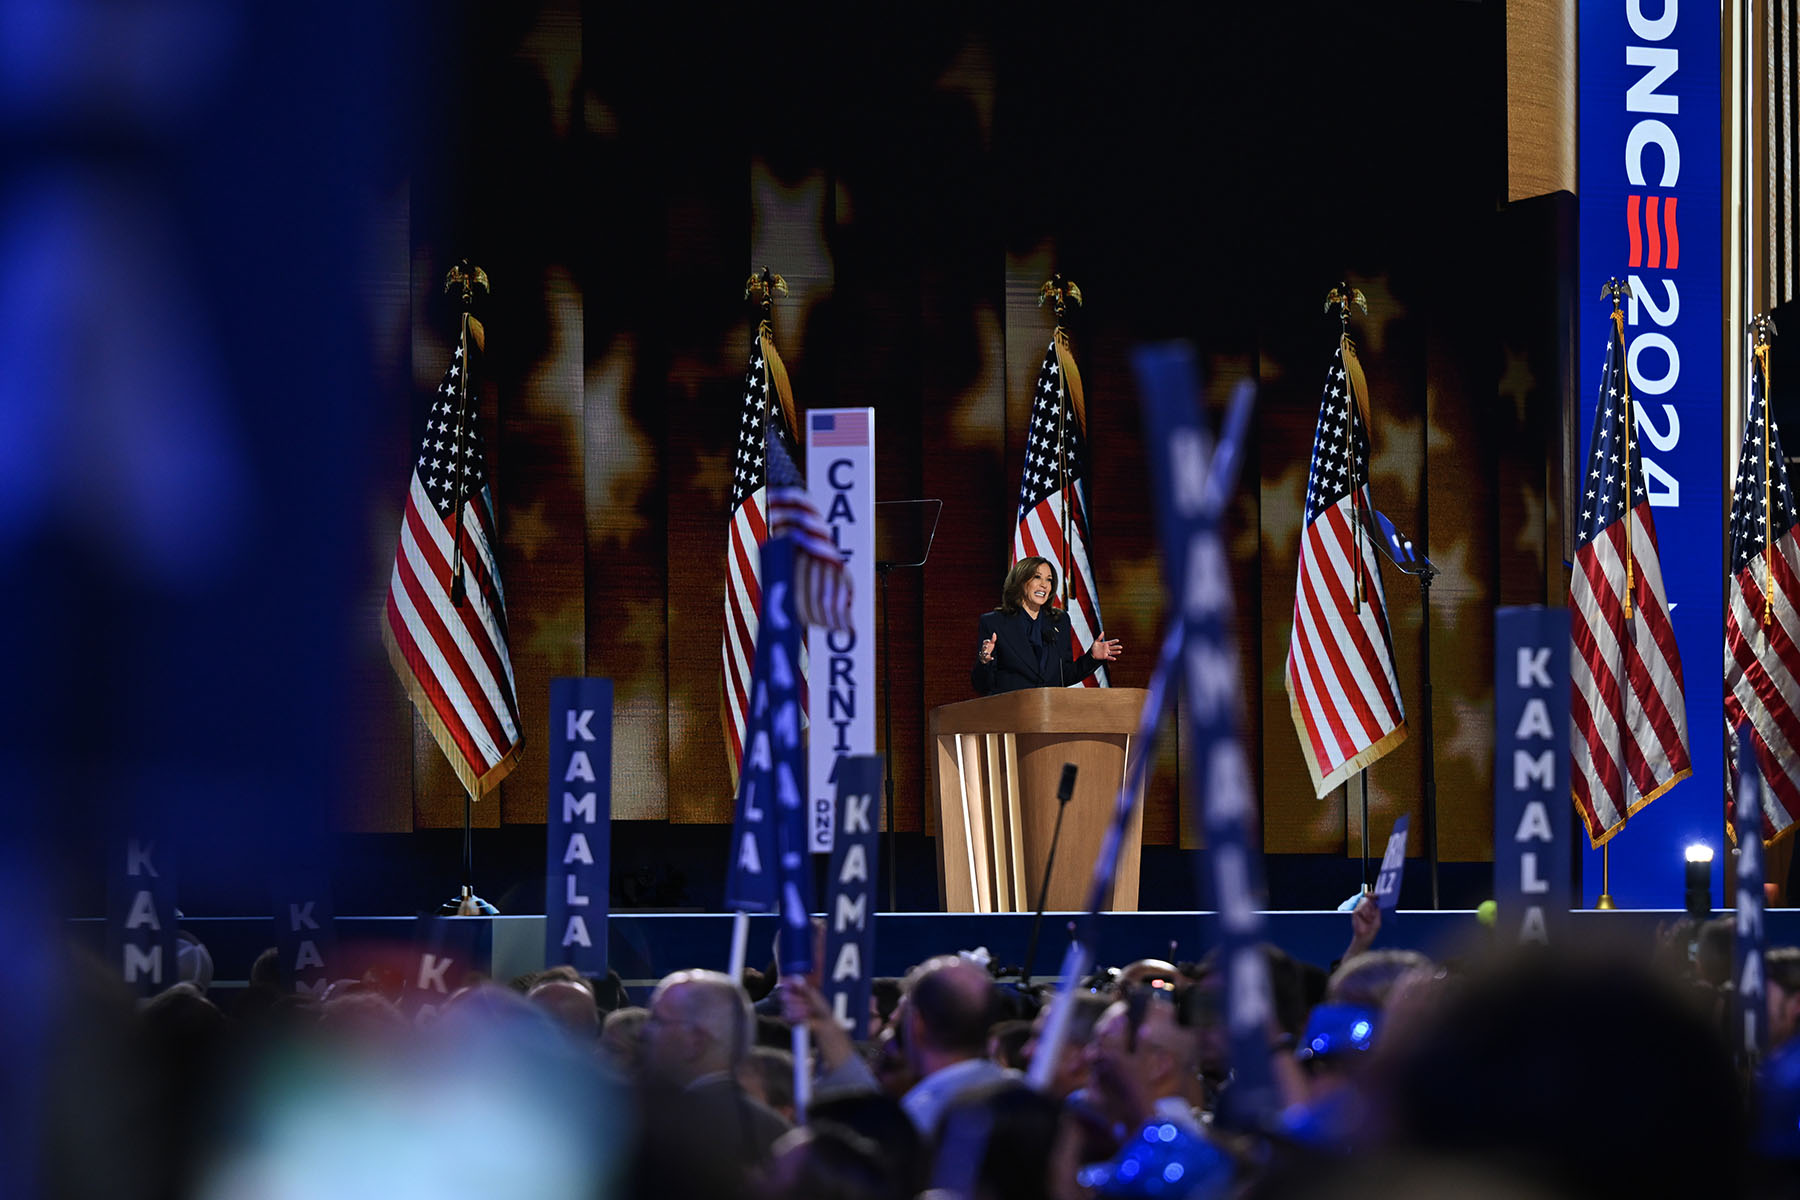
pixel 850 910
pixel 305 929
pixel 578 848
pixel 140 923
pixel 1650 215
pixel 1532 813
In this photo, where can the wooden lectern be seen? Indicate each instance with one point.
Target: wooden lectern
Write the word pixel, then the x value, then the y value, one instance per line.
pixel 995 769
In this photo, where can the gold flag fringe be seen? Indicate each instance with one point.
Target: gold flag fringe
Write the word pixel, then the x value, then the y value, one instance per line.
pixel 1359 386
pixel 476 785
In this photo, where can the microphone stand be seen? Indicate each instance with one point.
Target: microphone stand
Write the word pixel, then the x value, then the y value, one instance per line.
pixel 1065 791
pixel 883 570
pixel 1424 570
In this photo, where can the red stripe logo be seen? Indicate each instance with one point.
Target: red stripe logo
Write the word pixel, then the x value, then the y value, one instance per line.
pixel 1650 229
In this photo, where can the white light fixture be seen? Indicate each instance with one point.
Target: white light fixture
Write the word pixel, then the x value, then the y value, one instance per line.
pixel 1698 900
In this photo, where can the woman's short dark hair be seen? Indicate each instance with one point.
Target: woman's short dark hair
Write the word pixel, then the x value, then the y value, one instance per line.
pixel 1012 592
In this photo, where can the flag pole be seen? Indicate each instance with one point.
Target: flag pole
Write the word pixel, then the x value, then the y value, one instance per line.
pixel 462 280
pixel 1760 327
pixel 1605 902
pixel 740 944
pixel 1614 288
pixel 1061 295
pixel 1342 297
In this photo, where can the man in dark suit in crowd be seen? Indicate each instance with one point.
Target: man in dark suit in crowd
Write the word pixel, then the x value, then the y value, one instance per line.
pixel 696 1040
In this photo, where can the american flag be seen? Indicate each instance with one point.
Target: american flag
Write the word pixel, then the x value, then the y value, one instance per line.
pixel 1628 715
pixel 1051 484
pixel 765 411
pixel 453 657
pixel 1340 666
pixel 1762 664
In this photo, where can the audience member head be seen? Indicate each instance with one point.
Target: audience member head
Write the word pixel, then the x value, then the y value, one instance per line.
pixel 609 991
pixel 357 1014
pixel 1713 951
pixel 1145 970
pixel 570 1003
pixel 1366 979
pixel 1203 1011
pixel 772 1032
pixel 1071 1061
pixel 1781 965
pixel 884 998
pixel 999 1138
pixel 892 1064
pixel 700 1024
pixel 1294 987
pixel 1510 1067
pixel 266 971
pixel 880 1119
pixel 822 1161
pixel 1140 1051
pixel 194 961
pixel 622 1038
pixel 949 1005
pixel 187 1031
pixel 768 1075
pixel 1333 1053
pixel 1006 1043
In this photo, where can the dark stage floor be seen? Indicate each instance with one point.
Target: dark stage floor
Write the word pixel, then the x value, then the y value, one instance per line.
pixel 658 866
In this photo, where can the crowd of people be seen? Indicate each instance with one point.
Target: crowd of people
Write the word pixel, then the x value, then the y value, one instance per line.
pixel 1548 1074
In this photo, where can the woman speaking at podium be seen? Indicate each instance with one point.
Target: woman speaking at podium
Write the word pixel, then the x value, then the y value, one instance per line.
pixel 1026 642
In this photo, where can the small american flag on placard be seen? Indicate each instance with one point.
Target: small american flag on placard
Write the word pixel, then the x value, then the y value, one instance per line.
pixel 821 585
pixel 1341 687
pixel 840 429
pixel 452 657
pixel 1628 714
pixel 1053 494
pixel 1762 663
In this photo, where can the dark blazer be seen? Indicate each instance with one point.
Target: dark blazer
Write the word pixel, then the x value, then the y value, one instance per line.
pixel 1017 664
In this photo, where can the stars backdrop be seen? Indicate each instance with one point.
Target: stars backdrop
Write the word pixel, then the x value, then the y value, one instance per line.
pixel 1199 175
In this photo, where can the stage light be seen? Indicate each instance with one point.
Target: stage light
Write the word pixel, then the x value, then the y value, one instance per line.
pixel 1699 880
